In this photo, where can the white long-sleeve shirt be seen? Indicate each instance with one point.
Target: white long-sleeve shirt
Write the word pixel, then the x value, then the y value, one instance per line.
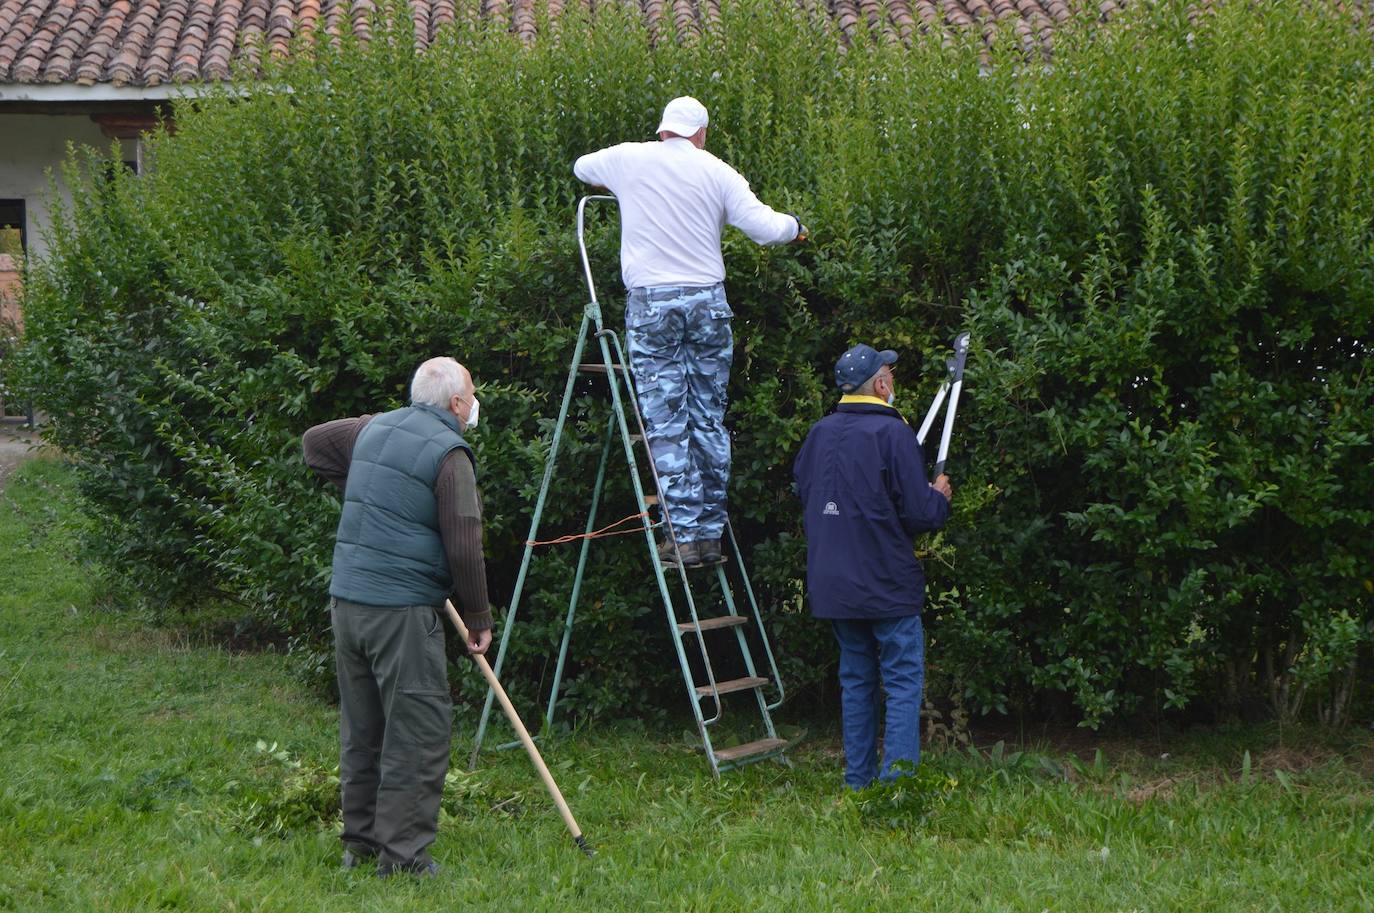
pixel 674 200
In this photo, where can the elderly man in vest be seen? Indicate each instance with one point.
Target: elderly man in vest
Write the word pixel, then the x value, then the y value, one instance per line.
pixel 675 197
pixel 409 537
pixel 861 477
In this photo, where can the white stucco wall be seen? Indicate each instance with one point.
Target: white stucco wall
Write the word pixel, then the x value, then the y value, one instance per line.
pixel 31 147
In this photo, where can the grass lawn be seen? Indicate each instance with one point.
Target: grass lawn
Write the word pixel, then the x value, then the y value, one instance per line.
pixel 133 780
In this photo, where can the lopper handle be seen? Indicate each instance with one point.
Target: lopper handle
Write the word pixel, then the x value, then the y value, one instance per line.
pixel 485 668
pixel 956 385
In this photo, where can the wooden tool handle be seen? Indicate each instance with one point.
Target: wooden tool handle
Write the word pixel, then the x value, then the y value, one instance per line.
pixel 521 731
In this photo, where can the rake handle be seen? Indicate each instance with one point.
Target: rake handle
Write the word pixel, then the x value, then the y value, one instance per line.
pixel 485 668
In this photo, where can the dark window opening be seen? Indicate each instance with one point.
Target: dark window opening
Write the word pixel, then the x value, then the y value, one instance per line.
pixel 13 236
pixel 112 167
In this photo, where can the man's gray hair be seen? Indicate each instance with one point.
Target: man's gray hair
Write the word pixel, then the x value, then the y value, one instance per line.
pixel 437 381
pixel 866 388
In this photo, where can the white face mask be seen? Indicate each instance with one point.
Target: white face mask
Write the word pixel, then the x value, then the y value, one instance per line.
pixel 891 396
pixel 473 414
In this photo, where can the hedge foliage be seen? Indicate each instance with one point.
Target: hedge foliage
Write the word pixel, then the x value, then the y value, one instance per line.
pixel 1162 242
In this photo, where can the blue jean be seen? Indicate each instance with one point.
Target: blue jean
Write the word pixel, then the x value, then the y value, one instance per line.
pixel 890 653
pixel 680 347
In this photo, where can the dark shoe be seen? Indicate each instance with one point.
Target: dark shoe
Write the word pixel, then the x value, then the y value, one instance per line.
pixel 353 856
pixel 685 553
pixel 708 552
pixel 427 869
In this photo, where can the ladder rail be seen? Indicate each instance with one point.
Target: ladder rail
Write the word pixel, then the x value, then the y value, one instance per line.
pixel 581 570
pixel 535 520
pixel 591 315
pixel 745 652
pixel 758 620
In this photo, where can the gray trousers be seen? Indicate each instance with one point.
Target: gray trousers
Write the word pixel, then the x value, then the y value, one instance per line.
pixel 395 722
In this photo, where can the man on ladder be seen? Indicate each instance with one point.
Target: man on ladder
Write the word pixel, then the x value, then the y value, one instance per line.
pixel 675 197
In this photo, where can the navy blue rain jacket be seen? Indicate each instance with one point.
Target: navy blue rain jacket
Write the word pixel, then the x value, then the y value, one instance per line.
pixel 862 481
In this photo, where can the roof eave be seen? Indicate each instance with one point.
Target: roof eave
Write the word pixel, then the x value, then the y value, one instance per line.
pixel 67 93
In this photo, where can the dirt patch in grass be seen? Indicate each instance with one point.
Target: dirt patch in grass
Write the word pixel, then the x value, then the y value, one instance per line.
pixel 1162 789
pixel 17 444
pixel 1292 760
pixel 1361 759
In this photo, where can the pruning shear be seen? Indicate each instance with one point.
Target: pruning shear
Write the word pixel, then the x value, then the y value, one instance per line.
pixel 954 382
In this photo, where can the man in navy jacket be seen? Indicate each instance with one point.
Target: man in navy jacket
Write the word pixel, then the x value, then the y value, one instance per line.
pixel 861 478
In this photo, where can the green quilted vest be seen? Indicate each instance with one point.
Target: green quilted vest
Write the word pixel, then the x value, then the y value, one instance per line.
pixel 388 551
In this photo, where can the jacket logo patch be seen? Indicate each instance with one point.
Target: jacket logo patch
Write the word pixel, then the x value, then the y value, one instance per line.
pixel 831 509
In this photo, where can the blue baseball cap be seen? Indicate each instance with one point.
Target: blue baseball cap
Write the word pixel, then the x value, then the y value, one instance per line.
pixel 859 364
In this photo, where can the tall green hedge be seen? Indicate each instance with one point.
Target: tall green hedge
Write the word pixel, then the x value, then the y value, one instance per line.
pixel 1161 240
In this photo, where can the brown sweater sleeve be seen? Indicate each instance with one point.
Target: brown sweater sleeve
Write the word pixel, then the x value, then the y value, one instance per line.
pixel 460 528
pixel 329 447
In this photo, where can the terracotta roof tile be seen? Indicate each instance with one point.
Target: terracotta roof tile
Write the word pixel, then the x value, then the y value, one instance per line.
pixel 281 25
pixel 308 19
pixel 253 32
pixel 9 12
pixel 150 42
pixel 157 69
pixel 42 39
pixel 219 51
pixel 94 57
pixel 444 13
pixel 654 19
pixel 360 17
pixel 335 15
pixel 685 18
pixel 190 49
pixel 60 59
pixel 419 18
pixel 23 18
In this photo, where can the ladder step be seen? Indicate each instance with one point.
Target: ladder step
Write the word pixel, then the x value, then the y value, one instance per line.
pixel 650 500
pixel 636 439
pixel 598 367
pixel 759 746
pixel 711 624
pixel 734 684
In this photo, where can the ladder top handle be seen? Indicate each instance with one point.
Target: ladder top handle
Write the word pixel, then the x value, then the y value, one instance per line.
pixel 582 238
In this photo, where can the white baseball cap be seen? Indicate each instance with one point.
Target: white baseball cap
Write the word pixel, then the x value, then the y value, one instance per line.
pixel 683 116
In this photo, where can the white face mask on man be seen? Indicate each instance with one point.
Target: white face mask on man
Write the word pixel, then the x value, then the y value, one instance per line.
pixel 473 414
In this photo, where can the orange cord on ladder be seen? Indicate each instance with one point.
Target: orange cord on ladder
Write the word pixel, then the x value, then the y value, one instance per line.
pixel 603 533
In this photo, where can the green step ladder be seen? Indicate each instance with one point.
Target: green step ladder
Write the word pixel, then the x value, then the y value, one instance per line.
pixel 685 625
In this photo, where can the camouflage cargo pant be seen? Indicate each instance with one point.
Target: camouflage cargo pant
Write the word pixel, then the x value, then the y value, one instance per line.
pixel 680 347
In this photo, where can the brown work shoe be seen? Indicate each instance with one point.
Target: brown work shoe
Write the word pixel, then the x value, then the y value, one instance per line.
pixel 685 553
pixel 708 552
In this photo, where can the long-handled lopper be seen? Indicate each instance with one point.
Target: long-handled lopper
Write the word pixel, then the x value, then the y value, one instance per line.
pixel 954 382
pixel 485 668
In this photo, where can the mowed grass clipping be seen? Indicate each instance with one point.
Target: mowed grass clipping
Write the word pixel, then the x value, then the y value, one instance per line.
pixel 147 770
